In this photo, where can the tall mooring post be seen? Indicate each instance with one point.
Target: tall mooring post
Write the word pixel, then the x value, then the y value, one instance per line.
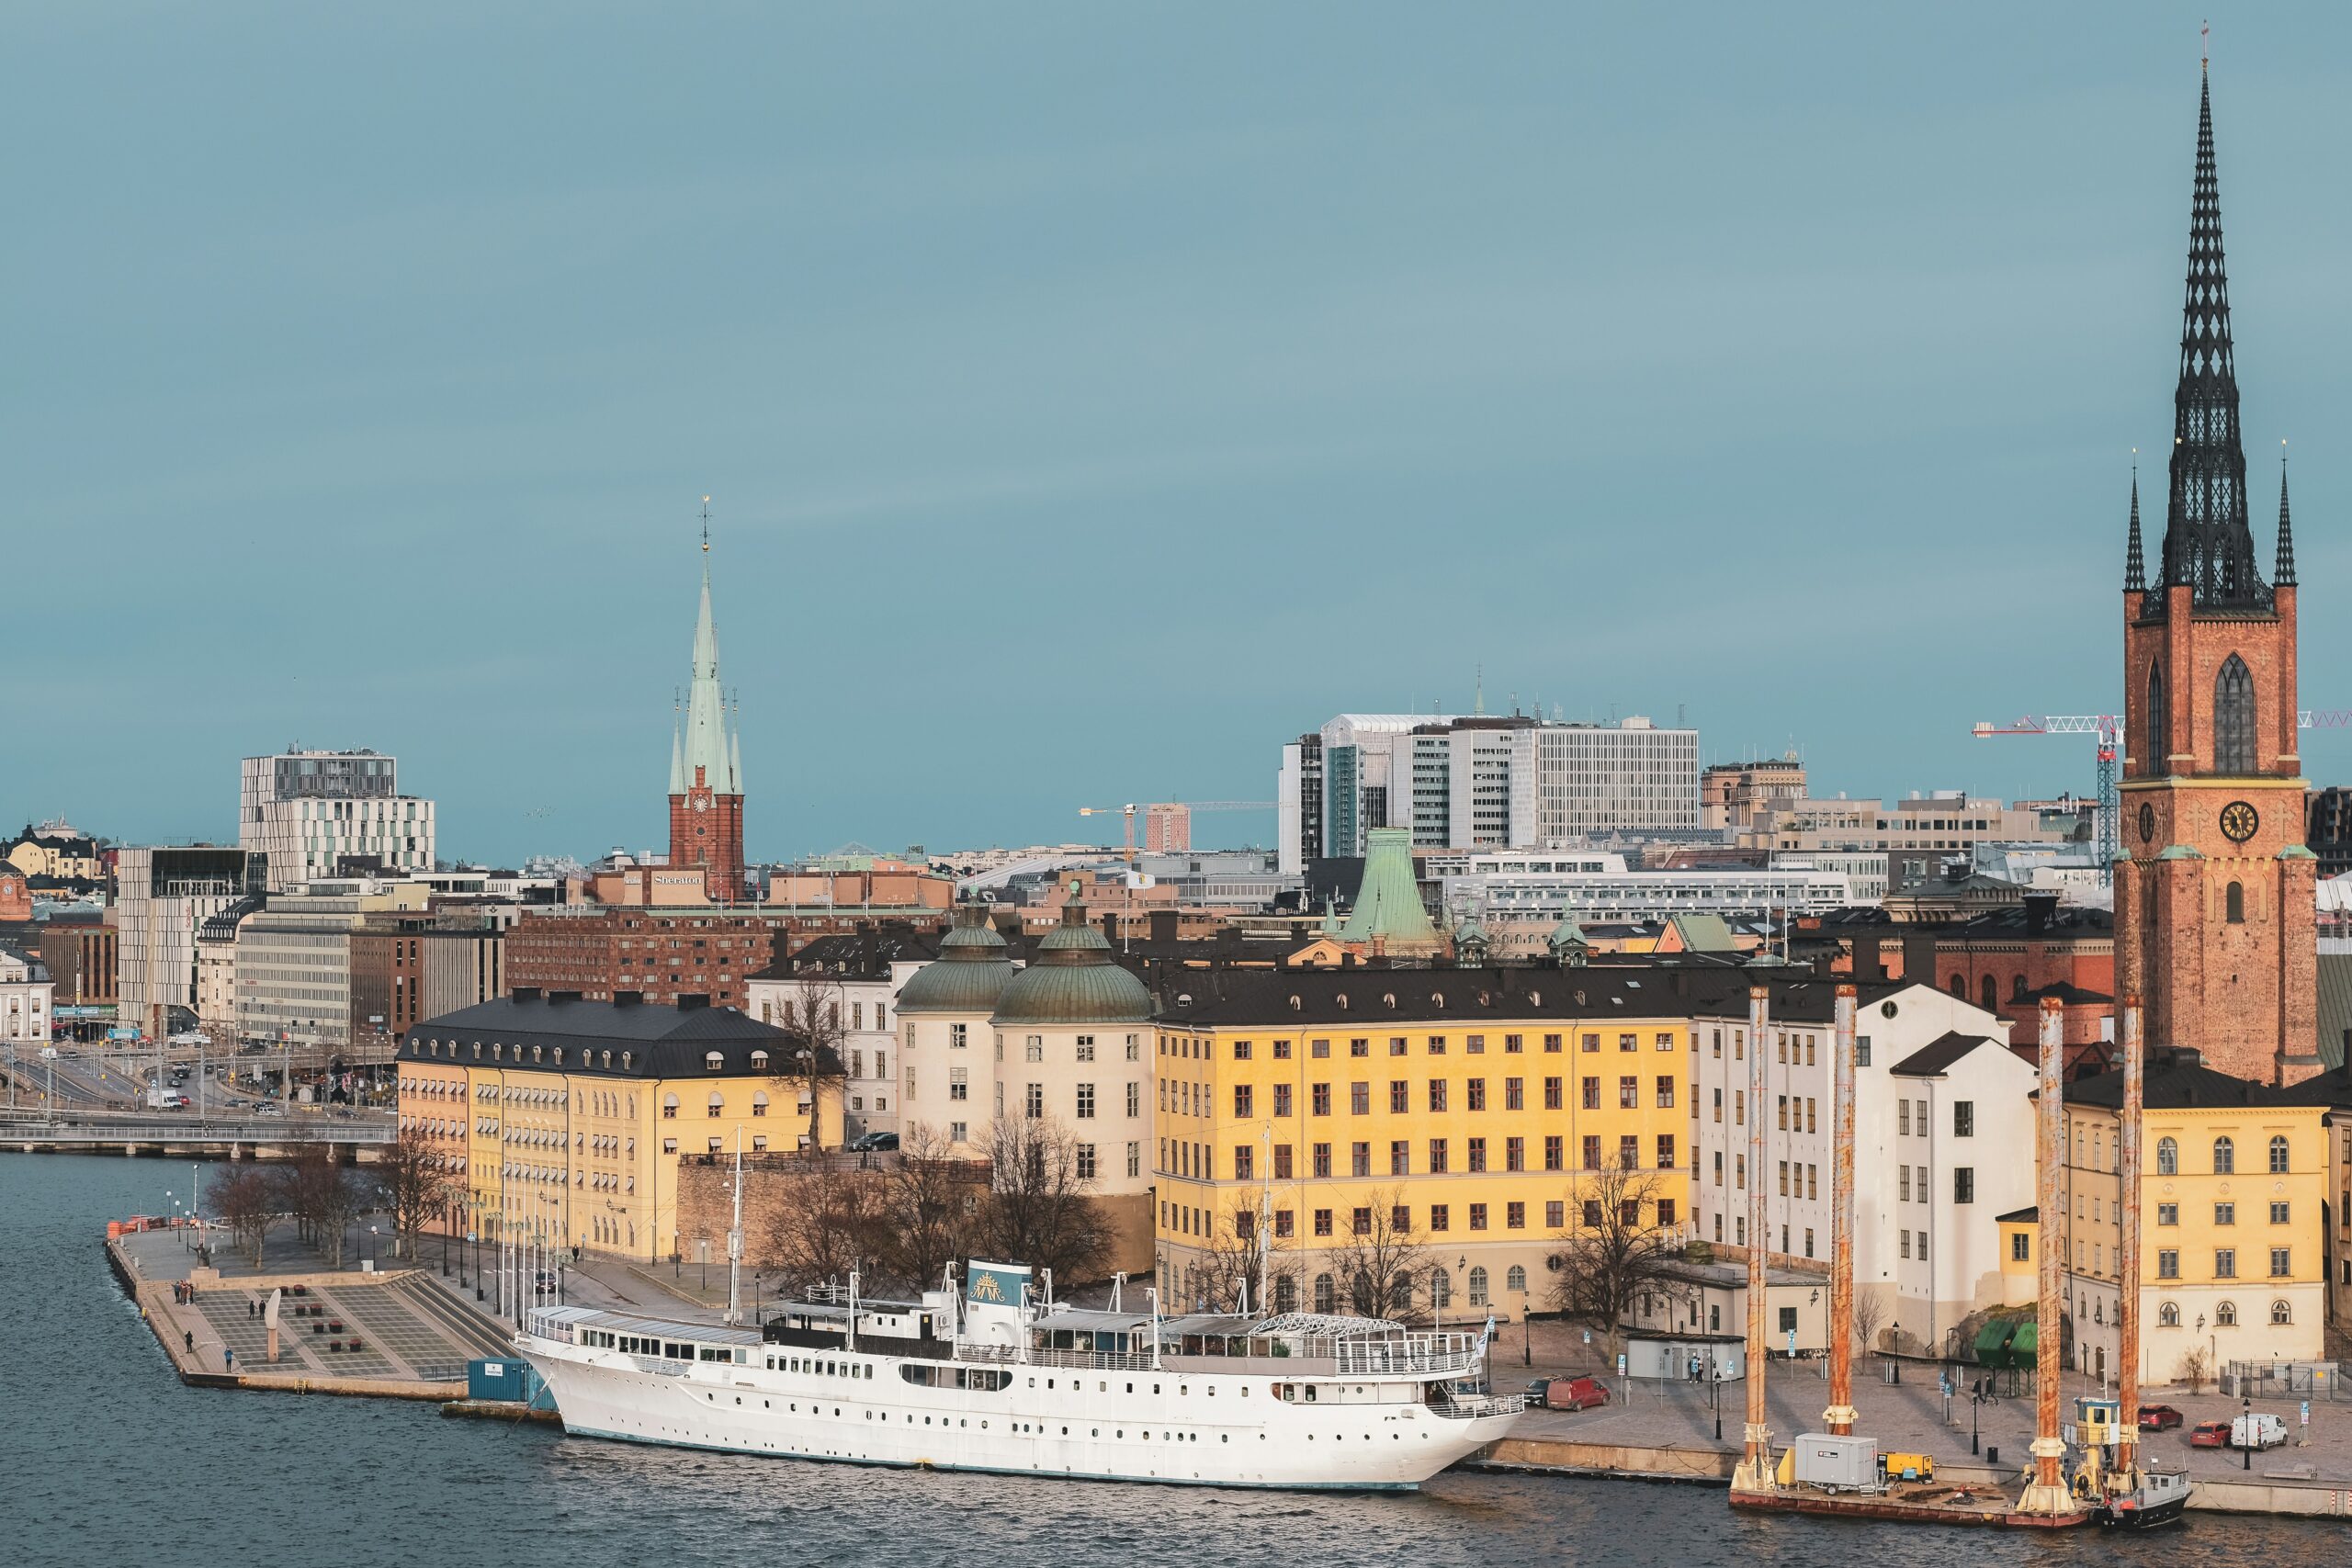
pixel 2046 1494
pixel 2127 1256
pixel 1755 1473
pixel 1839 1417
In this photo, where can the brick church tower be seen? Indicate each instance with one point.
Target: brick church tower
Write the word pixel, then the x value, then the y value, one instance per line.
pixel 2214 925
pixel 706 770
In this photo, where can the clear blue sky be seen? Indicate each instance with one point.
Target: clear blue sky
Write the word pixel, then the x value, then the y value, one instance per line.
pixel 1094 396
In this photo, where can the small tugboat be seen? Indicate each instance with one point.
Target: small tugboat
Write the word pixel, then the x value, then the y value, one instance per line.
pixel 2132 1498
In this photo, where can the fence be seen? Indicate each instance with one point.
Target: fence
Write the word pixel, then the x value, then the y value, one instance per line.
pixel 2285 1380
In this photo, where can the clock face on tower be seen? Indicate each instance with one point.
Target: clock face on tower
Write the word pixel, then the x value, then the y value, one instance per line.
pixel 702 803
pixel 2147 823
pixel 2239 820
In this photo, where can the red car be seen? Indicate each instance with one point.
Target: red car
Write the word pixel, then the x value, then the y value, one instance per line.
pixel 2158 1417
pixel 2209 1435
pixel 1575 1394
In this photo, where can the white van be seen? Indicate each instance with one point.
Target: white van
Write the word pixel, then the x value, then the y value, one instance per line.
pixel 2260 1431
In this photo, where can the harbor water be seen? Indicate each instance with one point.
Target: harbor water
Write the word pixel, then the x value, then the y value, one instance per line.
pixel 105 1457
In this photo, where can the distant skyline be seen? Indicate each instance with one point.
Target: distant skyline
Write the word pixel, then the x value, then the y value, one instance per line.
pixel 1092 400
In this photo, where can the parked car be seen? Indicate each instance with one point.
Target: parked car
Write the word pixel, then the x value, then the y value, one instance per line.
pixel 2158 1417
pixel 873 1143
pixel 2209 1435
pixel 270 1107
pixel 1575 1394
pixel 2259 1430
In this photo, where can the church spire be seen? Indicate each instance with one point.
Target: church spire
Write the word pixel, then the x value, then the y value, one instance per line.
pixel 2207 546
pixel 708 757
pixel 2283 574
pixel 2135 575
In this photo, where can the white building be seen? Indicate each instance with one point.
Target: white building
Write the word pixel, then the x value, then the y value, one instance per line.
pixel 1943 1144
pixel 1521 907
pixel 24 999
pixel 293 963
pixel 325 814
pixel 1481 781
pixel 858 975
pixel 163 896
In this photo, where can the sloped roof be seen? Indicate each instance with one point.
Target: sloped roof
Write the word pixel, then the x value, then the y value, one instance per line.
pixel 1938 1055
pixel 2335 1019
pixel 2174 1081
pixel 662 1041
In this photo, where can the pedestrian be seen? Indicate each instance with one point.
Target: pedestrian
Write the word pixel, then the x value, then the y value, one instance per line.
pixel 228 1358
pixel 189 1335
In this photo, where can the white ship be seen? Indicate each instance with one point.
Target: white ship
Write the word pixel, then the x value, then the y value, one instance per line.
pixel 989 1380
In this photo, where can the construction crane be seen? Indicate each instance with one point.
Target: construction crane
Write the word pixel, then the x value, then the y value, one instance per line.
pixel 1128 811
pixel 1187 807
pixel 2108 729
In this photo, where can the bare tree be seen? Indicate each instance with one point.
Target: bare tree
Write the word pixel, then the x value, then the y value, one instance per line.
pixel 1238 1254
pixel 1869 1311
pixel 322 1197
pixel 1378 1260
pixel 1041 1209
pixel 415 1186
pixel 824 1225
pixel 1612 1250
pixel 247 1204
pixel 811 1008
pixel 2196 1369
pixel 932 1202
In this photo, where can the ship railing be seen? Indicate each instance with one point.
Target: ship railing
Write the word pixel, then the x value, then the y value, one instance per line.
pixel 1450 1356
pixel 661 1366
pixel 1472 1406
pixel 1103 1361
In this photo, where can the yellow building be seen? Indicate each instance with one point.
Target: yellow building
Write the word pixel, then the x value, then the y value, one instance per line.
pixel 2233 1212
pixel 567 1119
pixel 1472 1116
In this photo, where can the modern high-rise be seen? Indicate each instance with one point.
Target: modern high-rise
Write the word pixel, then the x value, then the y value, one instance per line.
pixel 164 896
pixel 1482 782
pixel 322 814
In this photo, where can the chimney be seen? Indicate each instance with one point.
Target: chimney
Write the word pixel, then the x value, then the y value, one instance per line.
pixel 2040 905
pixel 1163 925
pixel 563 996
pixel 526 993
pixel 693 1001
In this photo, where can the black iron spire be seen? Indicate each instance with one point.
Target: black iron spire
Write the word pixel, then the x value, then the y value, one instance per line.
pixel 2135 576
pixel 2207 546
pixel 2283 574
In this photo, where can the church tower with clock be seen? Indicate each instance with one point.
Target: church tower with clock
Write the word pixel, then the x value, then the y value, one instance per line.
pixel 2214 924
pixel 706 770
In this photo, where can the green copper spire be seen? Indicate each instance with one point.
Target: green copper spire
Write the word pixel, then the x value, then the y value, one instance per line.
pixel 706 747
pixel 1388 905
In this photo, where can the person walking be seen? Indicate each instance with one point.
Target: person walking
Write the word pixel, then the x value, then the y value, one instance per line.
pixel 228 1358
pixel 189 1335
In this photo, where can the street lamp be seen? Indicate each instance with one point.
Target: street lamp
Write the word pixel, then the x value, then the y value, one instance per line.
pixel 2245 1428
pixel 1526 1329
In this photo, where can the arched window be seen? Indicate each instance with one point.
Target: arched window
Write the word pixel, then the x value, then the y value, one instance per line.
pixel 2280 1315
pixel 2017 987
pixel 760 1104
pixel 2226 1316
pixel 2225 1157
pixel 1360 1292
pixel 1517 1278
pixel 1286 1293
pixel 2099 1311
pixel 1960 987
pixel 1326 1294
pixel 1440 1289
pixel 2234 903
pixel 2159 725
pixel 2278 1156
pixel 2167 1158
pixel 2234 718
pixel 2168 1315
pixel 1478 1286
pixel 1991 991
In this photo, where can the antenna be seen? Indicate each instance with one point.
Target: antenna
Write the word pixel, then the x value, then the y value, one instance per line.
pixel 2205 46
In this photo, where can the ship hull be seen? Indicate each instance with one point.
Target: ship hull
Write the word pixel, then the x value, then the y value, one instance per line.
pixel 1159 1427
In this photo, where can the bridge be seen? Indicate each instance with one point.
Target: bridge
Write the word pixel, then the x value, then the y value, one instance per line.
pixel 254 1138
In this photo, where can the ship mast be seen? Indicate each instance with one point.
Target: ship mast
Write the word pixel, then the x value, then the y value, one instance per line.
pixel 735 1241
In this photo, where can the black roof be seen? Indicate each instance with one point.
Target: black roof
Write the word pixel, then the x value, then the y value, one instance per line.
pixel 864 955
pixel 658 1041
pixel 1362 998
pixel 2030 1212
pixel 1938 1055
pixel 2178 1080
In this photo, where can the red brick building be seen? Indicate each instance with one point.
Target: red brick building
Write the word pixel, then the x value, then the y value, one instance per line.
pixel 662 953
pixel 706 771
pixel 2215 927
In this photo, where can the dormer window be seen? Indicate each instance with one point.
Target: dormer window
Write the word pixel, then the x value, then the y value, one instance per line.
pixel 713 1061
pixel 759 1061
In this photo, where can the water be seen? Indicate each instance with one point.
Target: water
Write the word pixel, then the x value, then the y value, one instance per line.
pixel 106 1458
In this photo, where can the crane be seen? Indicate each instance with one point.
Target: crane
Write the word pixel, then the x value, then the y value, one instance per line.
pixel 1186 806
pixel 1128 811
pixel 2108 729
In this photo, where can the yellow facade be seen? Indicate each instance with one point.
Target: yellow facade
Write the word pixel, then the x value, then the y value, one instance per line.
pixel 1485 1142
pixel 587 1154
pixel 2233 1203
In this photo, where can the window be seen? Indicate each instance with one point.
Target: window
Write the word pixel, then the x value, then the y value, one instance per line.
pixel 2168 1315
pixel 1086 1162
pixel 959 1036
pixel 1327 1293
pixel 1359 1099
pixel 1989 994
pixel 1555 1213
pixel 1477 1216
pixel 2020 1247
pixel 1664 1151
pixel 1282 1095
pixel 1514 1094
pixel 1437 1156
pixel 1359 1047
pixel 1476 1090
pixel 2167 1214
pixel 1086 1102
pixel 1323 1224
pixel 1320 1099
pixel 1242 1050
pixel 1591 1095
pixel 1963 1185
pixel 1629 1153
pixel 2225 1157
pixel 1477 1153
pixel 1665 1212
pixel 1964 1119
pixel 2280 1315
pixel 2277 1213
pixel 1554 1094
pixel 1902 1175
pixel 1903 1118
pixel 2226 1213
pixel 1479 1287
pixel 2158 723
pixel 1318 1048
pixel 1281 1050
pixel 1400 1097
pixel 1441 1217
pixel 2167 1158
pixel 1437 1094
pixel 1555 1152
pixel 1086 1047
pixel 1629 1093
pixel 1135 1097
pixel 2278 1156
pixel 1589 1042
pixel 1359 1159
pixel 1592 1214
pixel 2226 1316
pixel 1395 1044
pixel 2233 746
pixel 1400 1157
pixel 2281 1262
pixel 1437 1045
pixel 1244 1163
pixel 2167 1264
pixel 1592 1151
pixel 2234 904
pixel 1666 1092
pixel 2225 1263
pixel 1361 1222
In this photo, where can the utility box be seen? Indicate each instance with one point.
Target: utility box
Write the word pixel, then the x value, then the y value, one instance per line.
pixel 1835 1464
pixel 507 1380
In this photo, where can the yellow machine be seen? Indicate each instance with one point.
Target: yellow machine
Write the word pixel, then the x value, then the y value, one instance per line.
pixel 1909 1467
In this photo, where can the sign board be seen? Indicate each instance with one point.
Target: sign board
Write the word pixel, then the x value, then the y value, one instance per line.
pixel 1792 1344
pixel 1621 1363
pixel 2307 1412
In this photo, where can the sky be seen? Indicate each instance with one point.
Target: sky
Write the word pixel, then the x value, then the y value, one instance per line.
pixel 1091 398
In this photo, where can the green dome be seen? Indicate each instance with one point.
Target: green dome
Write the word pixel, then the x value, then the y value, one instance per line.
pixel 1072 978
pixel 969 973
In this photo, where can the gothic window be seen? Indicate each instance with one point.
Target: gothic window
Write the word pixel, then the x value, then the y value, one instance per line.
pixel 2234 718
pixel 2017 987
pixel 1991 991
pixel 2159 726
pixel 2234 903
pixel 1959 989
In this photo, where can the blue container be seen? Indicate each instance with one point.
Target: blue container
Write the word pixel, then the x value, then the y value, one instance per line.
pixel 508 1379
